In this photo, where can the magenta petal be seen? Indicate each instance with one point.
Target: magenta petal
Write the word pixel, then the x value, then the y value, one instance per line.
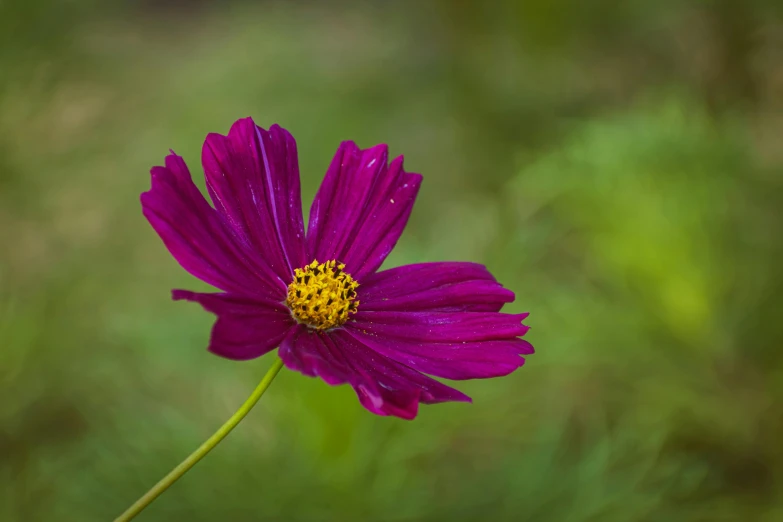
pixel 397 403
pixel 253 178
pixel 387 387
pixel 456 361
pixel 441 326
pixel 245 328
pixel 341 198
pixel 448 286
pixel 308 351
pixel 384 387
pixel 197 237
pixel 361 208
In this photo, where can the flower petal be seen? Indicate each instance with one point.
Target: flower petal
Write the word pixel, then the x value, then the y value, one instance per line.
pixel 441 327
pixel 449 286
pixel 198 238
pixel 456 361
pixel 388 387
pixel 245 328
pixel 305 350
pixel 361 208
pixel 382 385
pixel 253 178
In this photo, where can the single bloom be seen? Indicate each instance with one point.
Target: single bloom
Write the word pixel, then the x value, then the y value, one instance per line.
pixel 318 295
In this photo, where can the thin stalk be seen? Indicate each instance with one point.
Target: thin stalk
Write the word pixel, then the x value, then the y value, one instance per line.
pixel 205 448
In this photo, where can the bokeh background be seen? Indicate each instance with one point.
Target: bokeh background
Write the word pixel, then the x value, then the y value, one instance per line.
pixel 619 165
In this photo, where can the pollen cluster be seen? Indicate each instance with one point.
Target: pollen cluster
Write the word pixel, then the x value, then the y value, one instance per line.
pixel 322 295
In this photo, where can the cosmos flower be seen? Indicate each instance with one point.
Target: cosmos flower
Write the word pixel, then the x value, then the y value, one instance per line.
pixel 318 295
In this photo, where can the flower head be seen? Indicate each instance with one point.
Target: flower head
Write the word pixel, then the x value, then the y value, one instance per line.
pixel 319 295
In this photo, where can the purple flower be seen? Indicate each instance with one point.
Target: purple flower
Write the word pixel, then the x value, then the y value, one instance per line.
pixel 319 296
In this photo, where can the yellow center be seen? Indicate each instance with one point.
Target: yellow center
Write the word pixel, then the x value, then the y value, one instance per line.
pixel 322 295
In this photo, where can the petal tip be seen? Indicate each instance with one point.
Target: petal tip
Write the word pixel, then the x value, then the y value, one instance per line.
pixel 243 126
pixel 181 295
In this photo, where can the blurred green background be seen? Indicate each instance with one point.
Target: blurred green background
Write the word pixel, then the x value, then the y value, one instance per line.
pixel 619 165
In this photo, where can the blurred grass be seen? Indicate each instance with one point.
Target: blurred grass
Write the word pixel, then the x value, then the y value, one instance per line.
pixel 596 162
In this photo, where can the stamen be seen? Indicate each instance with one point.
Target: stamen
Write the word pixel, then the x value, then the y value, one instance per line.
pixel 322 295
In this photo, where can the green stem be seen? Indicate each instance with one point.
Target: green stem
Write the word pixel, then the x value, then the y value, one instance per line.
pixel 205 448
